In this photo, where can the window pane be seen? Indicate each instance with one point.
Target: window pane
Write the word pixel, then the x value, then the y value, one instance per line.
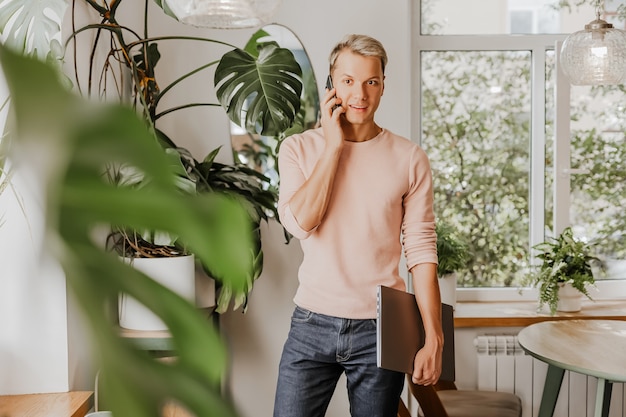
pixel 598 160
pixel 476 131
pixel 549 148
pixel 502 17
pixel 598 180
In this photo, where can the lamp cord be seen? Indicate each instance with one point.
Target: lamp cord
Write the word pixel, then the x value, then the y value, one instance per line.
pixel 598 3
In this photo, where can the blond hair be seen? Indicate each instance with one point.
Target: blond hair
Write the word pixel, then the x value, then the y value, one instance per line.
pixel 359 44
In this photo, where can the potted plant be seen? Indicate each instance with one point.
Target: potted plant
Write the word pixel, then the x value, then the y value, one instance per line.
pixel 453 253
pixel 247 81
pixel 565 272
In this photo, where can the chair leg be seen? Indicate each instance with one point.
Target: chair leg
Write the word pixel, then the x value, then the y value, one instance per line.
pixel 402 410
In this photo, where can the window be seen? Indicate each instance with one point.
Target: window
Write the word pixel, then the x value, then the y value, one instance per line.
pixel 490 106
pixel 476 131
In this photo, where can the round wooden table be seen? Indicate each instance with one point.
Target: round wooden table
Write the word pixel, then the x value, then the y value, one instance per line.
pixel 590 347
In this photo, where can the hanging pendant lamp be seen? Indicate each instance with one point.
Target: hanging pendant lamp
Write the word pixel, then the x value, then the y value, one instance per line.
pixel 595 55
pixel 223 14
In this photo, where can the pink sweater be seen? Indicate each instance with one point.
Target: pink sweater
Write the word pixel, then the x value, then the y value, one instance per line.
pixel 382 201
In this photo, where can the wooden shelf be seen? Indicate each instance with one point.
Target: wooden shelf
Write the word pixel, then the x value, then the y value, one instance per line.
pixel 524 313
pixel 62 404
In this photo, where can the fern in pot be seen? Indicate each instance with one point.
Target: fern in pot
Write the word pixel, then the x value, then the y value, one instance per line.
pixel 565 273
pixel 453 253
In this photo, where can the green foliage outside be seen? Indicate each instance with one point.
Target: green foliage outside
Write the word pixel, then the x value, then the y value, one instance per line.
pixel 599 195
pixel 479 152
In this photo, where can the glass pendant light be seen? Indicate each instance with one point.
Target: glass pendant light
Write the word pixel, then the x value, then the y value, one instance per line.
pixel 223 14
pixel 595 55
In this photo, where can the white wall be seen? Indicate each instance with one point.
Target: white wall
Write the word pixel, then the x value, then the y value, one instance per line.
pixel 33 324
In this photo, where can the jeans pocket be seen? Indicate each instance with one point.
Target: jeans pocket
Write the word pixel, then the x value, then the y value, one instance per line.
pixel 301 315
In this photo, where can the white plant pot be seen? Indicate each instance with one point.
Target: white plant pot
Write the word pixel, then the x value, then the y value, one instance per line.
pixel 447 289
pixel 176 273
pixel 570 299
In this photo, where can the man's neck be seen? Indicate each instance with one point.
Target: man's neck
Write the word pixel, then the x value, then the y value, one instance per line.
pixel 360 133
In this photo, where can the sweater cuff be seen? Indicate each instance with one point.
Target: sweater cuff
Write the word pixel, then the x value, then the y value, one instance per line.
pixel 291 224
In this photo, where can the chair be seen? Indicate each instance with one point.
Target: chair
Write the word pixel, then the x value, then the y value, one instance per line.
pixel 445 400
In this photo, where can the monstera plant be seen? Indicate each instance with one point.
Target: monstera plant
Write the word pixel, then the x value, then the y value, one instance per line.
pixel 258 86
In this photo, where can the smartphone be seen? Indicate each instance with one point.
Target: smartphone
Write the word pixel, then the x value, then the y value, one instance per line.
pixel 329 83
pixel 329 86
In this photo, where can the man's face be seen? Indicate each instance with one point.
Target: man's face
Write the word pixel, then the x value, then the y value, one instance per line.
pixel 358 81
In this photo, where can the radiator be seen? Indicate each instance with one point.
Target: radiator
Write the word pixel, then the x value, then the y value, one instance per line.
pixel 504 366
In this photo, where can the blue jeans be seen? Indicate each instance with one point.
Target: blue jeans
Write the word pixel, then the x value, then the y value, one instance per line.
pixel 318 350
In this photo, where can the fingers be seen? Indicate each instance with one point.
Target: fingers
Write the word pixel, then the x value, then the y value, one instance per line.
pixel 331 102
pixel 420 377
pixel 331 111
pixel 426 369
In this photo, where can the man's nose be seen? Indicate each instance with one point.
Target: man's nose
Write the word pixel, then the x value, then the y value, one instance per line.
pixel 361 92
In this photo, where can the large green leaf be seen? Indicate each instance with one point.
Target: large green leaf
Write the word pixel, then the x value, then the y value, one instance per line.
pixel 33 27
pixel 78 138
pixel 262 93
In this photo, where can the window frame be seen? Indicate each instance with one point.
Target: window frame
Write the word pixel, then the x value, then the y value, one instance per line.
pixel 538 45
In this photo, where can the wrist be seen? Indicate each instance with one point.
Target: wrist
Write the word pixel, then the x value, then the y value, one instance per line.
pixel 433 343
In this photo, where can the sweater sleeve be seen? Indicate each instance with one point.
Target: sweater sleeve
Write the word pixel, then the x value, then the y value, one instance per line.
pixel 292 176
pixel 418 226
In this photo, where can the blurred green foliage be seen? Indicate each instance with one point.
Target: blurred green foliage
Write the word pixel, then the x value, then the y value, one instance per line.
pixel 77 139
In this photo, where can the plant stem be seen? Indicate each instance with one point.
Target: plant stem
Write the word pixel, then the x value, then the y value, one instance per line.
pixel 175 82
pixel 173 109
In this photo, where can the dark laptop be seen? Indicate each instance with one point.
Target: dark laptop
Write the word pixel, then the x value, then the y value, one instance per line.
pixel 400 332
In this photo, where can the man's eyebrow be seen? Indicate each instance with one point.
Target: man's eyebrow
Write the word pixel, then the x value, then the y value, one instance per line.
pixel 373 77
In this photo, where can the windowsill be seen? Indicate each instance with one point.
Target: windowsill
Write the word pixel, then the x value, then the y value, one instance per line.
pixel 524 313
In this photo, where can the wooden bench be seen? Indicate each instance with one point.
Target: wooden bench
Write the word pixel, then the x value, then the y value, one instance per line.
pixel 63 404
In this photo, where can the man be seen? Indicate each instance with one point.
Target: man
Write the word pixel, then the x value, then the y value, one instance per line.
pixel 349 190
